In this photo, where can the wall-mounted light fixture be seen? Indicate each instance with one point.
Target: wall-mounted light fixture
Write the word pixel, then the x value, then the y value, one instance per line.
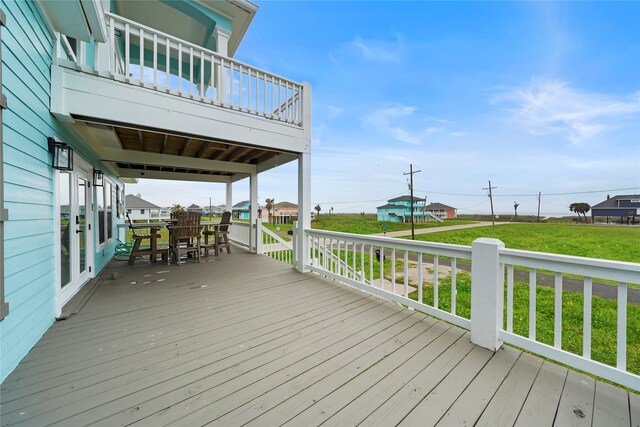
pixel 98 178
pixel 62 155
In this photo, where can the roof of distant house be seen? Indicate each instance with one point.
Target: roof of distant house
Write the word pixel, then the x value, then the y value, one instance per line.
pixel 438 207
pixel 612 202
pixel 194 206
pixel 406 199
pixel 135 202
pixel 391 206
pixel 285 205
pixel 242 205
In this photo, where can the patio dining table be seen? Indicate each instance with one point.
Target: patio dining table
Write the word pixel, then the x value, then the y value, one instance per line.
pixel 154 228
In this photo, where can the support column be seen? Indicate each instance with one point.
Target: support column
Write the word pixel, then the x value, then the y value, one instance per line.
pixel 304 209
pixel 253 212
pixel 222 47
pixel 229 198
pixel 487 292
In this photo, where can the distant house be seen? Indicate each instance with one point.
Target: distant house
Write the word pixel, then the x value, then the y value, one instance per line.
pixel 399 209
pixel 242 210
pixel 623 207
pixel 214 210
pixel 140 209
pixel 195 208
pixel 441 211
pixel 284 212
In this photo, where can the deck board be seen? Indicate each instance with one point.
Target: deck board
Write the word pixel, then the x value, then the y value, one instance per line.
pixel 243 339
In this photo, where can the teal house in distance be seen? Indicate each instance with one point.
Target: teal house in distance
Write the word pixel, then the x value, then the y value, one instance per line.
pixel 399 209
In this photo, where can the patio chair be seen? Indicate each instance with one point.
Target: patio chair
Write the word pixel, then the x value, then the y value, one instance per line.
pixel 223 234
pixel 137 243
pixel 185 234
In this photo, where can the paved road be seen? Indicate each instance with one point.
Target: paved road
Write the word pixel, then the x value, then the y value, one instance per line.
pixel 438 229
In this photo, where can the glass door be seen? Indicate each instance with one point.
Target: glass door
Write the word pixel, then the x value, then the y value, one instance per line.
pixel 74 205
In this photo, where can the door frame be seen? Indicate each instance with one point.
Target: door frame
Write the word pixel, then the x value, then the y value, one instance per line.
pixel 78 280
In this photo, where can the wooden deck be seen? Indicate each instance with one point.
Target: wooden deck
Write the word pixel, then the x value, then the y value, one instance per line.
pixel 243 339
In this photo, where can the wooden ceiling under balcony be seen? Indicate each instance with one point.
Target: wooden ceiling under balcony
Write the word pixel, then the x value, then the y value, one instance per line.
pixel 152 142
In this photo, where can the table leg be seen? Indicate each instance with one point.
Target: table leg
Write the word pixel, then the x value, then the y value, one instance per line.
pixel 217 237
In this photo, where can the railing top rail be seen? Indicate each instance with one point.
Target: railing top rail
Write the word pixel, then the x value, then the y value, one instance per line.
pixel 195 46
pixel 445 249
pixel 628 272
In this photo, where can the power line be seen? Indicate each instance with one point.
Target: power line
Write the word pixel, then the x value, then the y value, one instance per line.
pixel 532 195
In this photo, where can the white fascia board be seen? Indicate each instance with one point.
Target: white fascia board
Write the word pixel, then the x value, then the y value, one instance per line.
pixel 174 176
pixel 94 12
pixel 157 159
pixel 277 160
pixel 117 102
pixel 67 17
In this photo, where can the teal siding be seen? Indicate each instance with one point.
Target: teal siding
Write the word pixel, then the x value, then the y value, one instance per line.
pixel 30 247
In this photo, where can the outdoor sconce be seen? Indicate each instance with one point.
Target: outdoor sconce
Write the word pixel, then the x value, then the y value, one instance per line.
pixel 98 178
pixel 62 155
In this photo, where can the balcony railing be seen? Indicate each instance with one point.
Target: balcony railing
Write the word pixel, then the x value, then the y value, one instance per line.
pixel 143 56
pixel 388 267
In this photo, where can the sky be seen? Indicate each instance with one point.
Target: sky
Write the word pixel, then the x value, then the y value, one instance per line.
pixel 536 97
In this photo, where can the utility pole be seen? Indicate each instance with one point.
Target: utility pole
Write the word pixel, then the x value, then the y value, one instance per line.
pixel 493 219
pixel 411 172
pixel 539 195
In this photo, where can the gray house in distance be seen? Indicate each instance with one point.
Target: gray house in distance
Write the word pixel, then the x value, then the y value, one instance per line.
pixel 627 206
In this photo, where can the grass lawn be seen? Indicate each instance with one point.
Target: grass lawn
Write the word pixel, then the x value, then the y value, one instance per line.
pixel 618 243
pixel 368 224
pixel 604 318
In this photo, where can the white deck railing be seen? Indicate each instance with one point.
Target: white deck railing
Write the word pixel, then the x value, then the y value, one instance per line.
pixel 494 271
pixel 181 68
pixel 239 233
pixel 274 246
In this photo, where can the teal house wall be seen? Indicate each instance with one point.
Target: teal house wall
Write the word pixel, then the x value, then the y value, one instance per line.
pixel 30 244
pixel 399 209
pixel 242 210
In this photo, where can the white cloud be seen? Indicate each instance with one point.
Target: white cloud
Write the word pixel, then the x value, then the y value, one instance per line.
pixel 458 133
pixel 378 50
pixel 334 111
pixel 553 107
pixel 401 123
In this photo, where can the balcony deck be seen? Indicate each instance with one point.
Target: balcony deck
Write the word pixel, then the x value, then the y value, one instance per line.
pixel 245 339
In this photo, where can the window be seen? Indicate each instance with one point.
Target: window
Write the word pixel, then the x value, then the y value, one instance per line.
pixel 104 205
pixel 129 211
pixel 142 211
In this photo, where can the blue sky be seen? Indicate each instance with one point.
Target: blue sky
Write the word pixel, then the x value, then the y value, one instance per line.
pixel 536 96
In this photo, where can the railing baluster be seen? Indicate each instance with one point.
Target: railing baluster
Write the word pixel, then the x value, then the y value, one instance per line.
pixel 332 263
pixel 212 78
pixel 231 83
pixel 190 72
pixel 406 274
pixel 240 98
pixel 370 264
pixel 167 70
pixel 381 267
pixel 279 99
pixel 454 291
pixel 353 261
pixel 257 90
pixel 557 311
pixel 155 60
pixel 141 55
pixel 264 94
pixel 532 303
pixel 510 298
pixel 180 68
pixel 249 89
pixel 393 271
pixel 202 92
pixel 586 329
pixel 112 46
pixel 362 273
pixel 435 281
pixel 220 90
pixel 621 351
pixel 420 267
pixel 127 51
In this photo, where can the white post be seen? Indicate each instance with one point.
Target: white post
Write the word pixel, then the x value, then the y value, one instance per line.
pixel 222 48
pixel 258 236
pixel 487 292
pixel 253 211
pixel 304 209
pixel 229 196
pixel 294 262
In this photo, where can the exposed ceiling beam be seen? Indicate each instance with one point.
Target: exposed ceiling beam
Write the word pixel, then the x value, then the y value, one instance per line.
pixel 164 143
pixel 239 154
pixel 141 137
pixel 185 146
pixel 275 161
pixel 129 156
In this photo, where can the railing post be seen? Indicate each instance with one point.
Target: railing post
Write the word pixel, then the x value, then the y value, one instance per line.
pixel 294 261
pixel 259 236
pixel 304 209
pixel 487 292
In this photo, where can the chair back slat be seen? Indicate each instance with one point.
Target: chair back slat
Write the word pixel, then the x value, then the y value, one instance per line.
pixel 188 225
pixel 133 231
pixel 225 221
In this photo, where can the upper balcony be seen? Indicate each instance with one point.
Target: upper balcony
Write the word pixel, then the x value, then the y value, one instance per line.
pixel 147 100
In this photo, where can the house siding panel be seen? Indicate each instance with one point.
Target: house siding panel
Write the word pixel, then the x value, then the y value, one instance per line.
pixel 30 247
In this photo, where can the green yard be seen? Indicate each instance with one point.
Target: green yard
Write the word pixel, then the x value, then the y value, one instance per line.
pixel 368 224
pixel 620 243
